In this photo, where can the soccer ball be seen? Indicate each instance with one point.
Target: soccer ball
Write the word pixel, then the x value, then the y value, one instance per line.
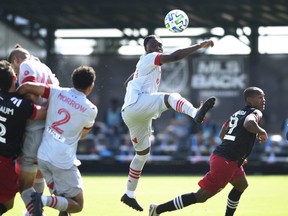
pixel 176 21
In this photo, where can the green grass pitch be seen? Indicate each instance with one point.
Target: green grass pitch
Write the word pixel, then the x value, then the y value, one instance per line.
pixel 265 196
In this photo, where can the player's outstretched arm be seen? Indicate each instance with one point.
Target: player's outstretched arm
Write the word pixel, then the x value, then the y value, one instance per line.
pixel 32 88
pixel 182 53
pixel 252 126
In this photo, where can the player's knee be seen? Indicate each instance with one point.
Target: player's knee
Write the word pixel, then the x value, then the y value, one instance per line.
pixel 245 186
pixel 202 195
pixel 201 199
pixel 79 208
pixel 242 187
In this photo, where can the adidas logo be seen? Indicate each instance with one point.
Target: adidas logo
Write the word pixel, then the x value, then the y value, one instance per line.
pixel 16 101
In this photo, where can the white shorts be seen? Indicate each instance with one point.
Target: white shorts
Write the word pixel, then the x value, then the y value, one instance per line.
pixel 28 159
pixel 138 118
pixel 64 182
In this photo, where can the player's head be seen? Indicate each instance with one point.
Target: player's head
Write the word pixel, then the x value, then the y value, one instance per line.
pixel 83 79
pixel 7 76
pixel 255 97
pixel 153 43
pixel 17 56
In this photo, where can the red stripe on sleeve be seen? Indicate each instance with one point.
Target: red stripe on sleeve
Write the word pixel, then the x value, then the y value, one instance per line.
pixel 29 79
pixel 46 92
pixel 157 60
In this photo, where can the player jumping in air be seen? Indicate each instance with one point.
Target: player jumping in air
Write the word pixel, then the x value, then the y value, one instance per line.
pixel 143 103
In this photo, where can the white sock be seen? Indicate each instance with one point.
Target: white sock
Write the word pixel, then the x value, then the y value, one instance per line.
pixel 181 105
pixel 26 197
pixel 56 202
pixel 135 171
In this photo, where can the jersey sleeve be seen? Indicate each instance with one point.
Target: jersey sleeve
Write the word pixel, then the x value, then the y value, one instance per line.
pixel 46 92
pixel 26 73
pixel 152 59
pixel 157 60
pixel 28 109
pixel 149 62
pixel 93 115
pixel 258 115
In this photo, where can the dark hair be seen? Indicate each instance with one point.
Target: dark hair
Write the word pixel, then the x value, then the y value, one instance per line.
pixel 6 75
pixel 252 92
pixel 18 52
pixel 148 38
pixel 82 77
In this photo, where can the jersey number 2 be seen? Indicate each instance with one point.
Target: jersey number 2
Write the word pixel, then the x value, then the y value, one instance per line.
pixel 62 121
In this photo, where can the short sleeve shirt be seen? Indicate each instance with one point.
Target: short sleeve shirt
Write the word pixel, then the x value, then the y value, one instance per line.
pixel 69 112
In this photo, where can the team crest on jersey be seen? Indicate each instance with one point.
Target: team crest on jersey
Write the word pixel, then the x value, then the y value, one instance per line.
pixel 26 72
pixel 16 101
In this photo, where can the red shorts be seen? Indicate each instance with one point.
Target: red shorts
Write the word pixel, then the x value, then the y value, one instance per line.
pixel 8 179
pixel 221 173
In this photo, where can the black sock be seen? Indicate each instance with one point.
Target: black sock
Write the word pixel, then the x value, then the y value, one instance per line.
pixel 3 208
pixel 232 202
pixel 178 202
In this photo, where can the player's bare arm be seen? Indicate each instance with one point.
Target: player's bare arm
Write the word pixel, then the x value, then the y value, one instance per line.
pixel 32 88
pixel 223 130
pixel 182 53
pixel 251 124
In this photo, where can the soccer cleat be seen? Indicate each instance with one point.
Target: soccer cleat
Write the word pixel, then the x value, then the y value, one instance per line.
pixel 200 115
pixel 26 213
pixel 37 204
pixel 152 210
pixel 131 202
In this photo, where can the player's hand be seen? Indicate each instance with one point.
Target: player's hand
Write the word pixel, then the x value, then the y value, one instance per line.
pixel 206 44
pixel 262 137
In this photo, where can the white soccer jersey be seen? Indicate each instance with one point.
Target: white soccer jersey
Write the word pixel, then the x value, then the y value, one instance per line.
pixel 69 111
pixel 32 70
pixel 146 78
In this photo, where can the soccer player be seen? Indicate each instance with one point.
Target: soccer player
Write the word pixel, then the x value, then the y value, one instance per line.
pixel 14 112
pixel 29 68
pixel 70 117
pixel 238 135
pixel 143 103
